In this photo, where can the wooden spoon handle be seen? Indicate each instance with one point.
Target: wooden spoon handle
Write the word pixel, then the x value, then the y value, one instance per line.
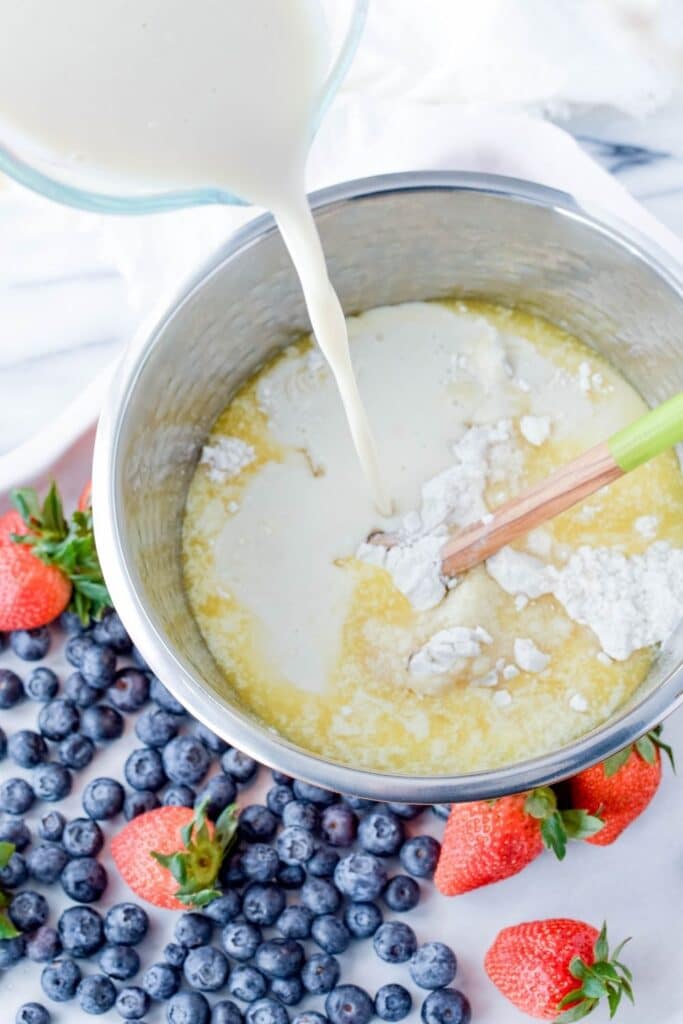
pixel 563 489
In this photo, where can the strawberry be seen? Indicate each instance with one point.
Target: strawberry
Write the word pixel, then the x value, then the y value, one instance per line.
pixel 489 840
pixel 172 858
pixel 558 969
pixel 85 499
pixel 47 563
pixel 7 929
pixel 622 786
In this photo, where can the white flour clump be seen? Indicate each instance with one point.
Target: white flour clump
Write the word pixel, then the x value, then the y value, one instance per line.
pixel 227 458
pixel 528 656
pixel 646 526
pixel 446 649
pixel 452 498
pixel 519 573
pixel 535 429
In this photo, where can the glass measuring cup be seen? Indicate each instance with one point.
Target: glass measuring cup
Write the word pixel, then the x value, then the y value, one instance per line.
pixel 72 184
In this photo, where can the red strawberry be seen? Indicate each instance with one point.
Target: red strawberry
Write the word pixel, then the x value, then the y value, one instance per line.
pixel 489 840
pixel 621 787
pixel 171 858
pixel 47 563
pixel 557 969
pixel 85 500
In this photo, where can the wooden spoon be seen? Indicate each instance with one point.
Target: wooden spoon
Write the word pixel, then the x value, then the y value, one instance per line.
pixel 628 448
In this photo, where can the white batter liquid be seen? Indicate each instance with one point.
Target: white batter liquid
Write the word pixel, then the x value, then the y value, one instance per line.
pixel 166 94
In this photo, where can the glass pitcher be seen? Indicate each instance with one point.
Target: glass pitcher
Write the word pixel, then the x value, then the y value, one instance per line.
pixel 74 185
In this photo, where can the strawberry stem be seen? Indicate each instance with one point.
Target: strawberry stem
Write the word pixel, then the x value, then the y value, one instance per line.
pixel 196 866
pixel 606 978
pixel 558 826
pixel 69 546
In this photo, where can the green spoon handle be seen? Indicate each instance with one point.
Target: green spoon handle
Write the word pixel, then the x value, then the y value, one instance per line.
pixel 651 434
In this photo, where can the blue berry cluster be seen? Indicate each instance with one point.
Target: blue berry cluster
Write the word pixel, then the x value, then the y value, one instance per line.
pixel 311 873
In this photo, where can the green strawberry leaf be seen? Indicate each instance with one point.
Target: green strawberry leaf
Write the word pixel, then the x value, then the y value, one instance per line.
pixel 7 929
pixel 646 749
pixel 605 978
pixel 554 835
pixel 612 765
pixel 196 867
pixel 580 824
pixel 577 1012
pixel 6 851
pixel 601 946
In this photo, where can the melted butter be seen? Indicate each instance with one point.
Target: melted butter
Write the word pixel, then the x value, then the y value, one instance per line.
pixel 322 655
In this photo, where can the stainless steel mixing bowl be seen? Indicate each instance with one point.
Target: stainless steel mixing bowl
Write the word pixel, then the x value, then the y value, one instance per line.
pixel 387 240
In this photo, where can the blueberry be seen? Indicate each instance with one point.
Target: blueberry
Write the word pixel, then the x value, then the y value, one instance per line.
pixel 289 991
pixel 362 919
pixel 15 831
pixel 359 804
pixel 433 965
pixel 213 743
pixel 349 1004
pixel 206 968
pixel 129 691
pixel 393 1002
pixel 60 980
pixel 381 833
pixel 110 632
pixel 280 778
pixel 441 810
pixel 82 838
pixel 58 718
pixel 179 796
pixel 51 781
pixel 96 994
pixel 295 845
pixel 139 802
pixel 239 766
pixel 310 1017
pixel 11 951
pixel 320 973
pixel 240 940
pixel 98 666
pixel 218 793
pixel 16 796
pixel 338 825
pixel 101 723
pixel 126 924
pixel 247 983
pixel 402 893
pixel 301 814
pixel 446 1006
pixel 226 1012
pixel 277 797
pixel 290 876
pixel 262 903
pixel 26 748
pixel 144 769
pixel 51 826
pixel 406 811
pixel 320 896
pixel 11 689
pixel 186 760
pixel 322 863
pixel 43 945
pixel 71 622
pixel 225 908
pixel 164 698
pixel 42 685
pixel 316 795
pixel 266 1011
pixel 32 1013
pixel 193 930
pixel 120 962
pixel 175 954
pixel 132 1002
pixel 161 981
pixel 14 872
pixel 232 873
pixel 157 727
pixel 279 958
pixel 3 744
pixel 295 922
pixel 76 751
pixel 257 823
pixel 260 862
pixel 80 931
pixel 81 693
pixel 28 910
pixel 84 880
pixel 394 942
pixel 188 1008
pixel 76 646
pixel 419 856
pixel 103 798
pixel 30 644
pixel 46 862
pixel 330 933
pixel 360 876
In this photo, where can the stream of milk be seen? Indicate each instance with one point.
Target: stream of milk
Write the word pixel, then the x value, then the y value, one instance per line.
pixel 162 94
